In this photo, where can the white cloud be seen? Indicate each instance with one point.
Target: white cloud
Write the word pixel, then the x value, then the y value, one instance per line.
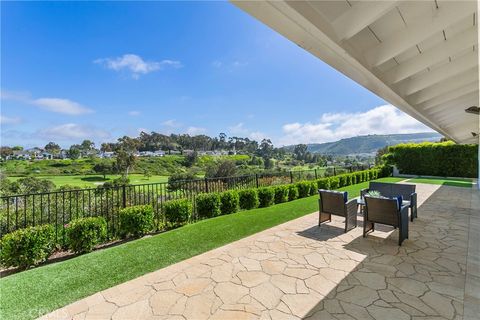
pixel 229 66
pixel 72 131
pixel 136 65
pixel 240 130
pixel 134 113
pixel 58 105
pixel 61 106
pixel 193 131
pixel 9 120
pixel 334 126
pixel 171 123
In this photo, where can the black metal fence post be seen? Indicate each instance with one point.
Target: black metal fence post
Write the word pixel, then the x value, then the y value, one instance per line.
pixel 334 171
pixel 124 196
pixel 206 185
pixel 256 179
pixel 316 175
pixel 291 177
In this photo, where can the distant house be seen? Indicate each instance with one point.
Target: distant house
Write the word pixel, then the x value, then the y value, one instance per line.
pixel 158 153
pixel 107 154
pixel 46 156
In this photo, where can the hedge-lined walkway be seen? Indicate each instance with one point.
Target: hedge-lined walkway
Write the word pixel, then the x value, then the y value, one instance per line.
pixel 299 271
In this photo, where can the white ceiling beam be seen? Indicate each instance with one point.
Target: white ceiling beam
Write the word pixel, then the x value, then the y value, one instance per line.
pixel 437 54
pixel 452 83
pixel 455 106
pixel 447 14
pixel 358 17
pixel 449 96
pixel 450 69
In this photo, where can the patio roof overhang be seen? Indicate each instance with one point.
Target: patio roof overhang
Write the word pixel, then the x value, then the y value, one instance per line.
pixel 420 56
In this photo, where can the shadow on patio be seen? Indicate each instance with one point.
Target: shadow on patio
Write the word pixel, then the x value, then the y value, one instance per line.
pixel 425 277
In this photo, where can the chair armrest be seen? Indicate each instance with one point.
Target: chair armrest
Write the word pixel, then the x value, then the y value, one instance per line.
pixel 413 199
pixel 363 192
pixel 351 206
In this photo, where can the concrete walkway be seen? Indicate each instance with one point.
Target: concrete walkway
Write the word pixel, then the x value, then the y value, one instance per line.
pixel 298 270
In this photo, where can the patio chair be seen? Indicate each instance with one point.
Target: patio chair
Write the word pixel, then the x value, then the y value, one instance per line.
pixel 336 203
pixel 407 191
pixel 385 211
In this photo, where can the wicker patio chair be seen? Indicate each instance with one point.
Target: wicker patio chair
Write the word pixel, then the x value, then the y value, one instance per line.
pixel 385 211
pixel 336 203
pixel 391 190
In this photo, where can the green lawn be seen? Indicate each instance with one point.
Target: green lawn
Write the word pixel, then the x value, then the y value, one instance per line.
pixel 466 183
pixel 29 294
pixel 94 180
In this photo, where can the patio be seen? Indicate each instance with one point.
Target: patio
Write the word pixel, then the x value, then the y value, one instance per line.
pixel 296 270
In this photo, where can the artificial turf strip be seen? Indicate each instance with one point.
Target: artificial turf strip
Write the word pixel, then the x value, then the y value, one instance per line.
pixel 466 183
pixel 29 294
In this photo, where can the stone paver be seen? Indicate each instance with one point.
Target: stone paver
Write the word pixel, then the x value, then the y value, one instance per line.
pixel 300 271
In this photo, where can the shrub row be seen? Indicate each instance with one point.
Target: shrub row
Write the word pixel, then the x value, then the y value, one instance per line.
pixel 30 246
pixel 445 159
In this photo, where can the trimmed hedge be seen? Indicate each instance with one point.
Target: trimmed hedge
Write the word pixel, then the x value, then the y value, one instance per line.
pixel 281 194
pixel 266 196
pixel 303 188
pixel 445 159
pixel 248 199
pixel 135 221
pixel 229 202
pixel 208 205
pixel 323 183
pixel 27 247
pixel 334 183
pixel 178 212
pixel 292 192
pixel 313 188
pixel 85 233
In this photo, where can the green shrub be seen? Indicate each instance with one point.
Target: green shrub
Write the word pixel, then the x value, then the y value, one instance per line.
pixel 292 192
pixel 208 205
pixel 229 202
pixel 334 183
pixel 85 233
pixel 303 188
pixel 27 247
pixel 178 212
pixel 445 159
pixel 248 199
pixel 323 183
pixel 313 188
pixel 353 178
pixel 342 180
pixel 281 194
pixel 359 176
pixel 266 196
pixel 135 221
pixel 385 171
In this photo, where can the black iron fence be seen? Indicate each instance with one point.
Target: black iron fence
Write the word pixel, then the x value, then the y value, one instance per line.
pixel 60 207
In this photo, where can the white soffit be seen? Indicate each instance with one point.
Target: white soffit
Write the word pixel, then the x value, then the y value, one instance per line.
pixel 421 56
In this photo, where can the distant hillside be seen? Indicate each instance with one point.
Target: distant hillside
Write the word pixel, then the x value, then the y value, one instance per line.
pixel 368 144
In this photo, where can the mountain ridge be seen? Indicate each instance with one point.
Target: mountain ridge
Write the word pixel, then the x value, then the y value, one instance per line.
pixel 368 144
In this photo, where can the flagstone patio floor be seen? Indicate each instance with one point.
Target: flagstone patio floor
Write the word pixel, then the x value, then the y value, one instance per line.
pixel 300 271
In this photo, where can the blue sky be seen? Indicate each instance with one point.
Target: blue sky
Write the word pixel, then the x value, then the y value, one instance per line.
pixel 100 70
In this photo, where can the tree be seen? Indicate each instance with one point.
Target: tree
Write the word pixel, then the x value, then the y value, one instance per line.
pixel 74 152
pixel 5 151
pixel 191 159
pixel 223 168
pixel 269 163
pixel 34 185
pixel 125 161
pixel 101 168
pixel 87 146
pixel 300 151
pixel 52 148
